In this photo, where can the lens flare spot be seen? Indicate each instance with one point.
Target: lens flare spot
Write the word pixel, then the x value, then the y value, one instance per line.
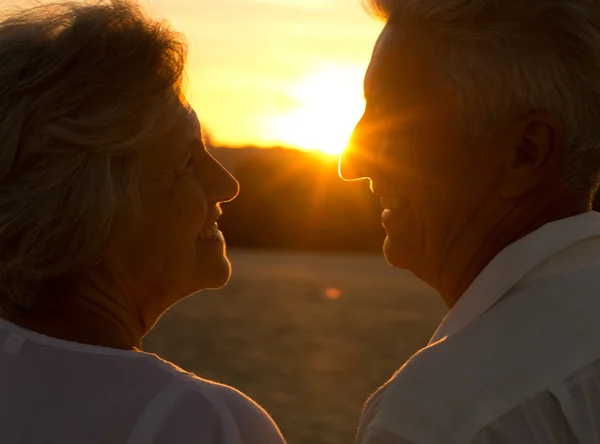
pixel 333 293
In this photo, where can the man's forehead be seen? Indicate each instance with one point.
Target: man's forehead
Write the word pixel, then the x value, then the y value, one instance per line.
pixel 383 54
pixel 401 63
pixel 391 35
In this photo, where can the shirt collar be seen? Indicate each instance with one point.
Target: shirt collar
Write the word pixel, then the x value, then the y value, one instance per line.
pixel 512 264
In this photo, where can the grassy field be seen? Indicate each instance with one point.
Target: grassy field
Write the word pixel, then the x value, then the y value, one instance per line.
pixel 309 337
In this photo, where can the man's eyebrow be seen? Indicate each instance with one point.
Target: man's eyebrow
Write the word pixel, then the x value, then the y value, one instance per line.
pixel 367 93
pixel 370 94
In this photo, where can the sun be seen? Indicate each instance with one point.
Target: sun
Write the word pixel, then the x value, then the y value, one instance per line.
pixel 330 102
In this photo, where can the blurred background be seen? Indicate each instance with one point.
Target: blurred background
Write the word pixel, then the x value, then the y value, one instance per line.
pixel 313 320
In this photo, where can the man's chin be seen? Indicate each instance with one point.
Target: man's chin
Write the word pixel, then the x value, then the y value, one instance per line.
pixel 396 253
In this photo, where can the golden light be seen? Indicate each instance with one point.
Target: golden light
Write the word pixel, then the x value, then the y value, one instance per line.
pixel 330 103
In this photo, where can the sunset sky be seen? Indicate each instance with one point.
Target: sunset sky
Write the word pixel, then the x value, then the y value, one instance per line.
pixel 270 72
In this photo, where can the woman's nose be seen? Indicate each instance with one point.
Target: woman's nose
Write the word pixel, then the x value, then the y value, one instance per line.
pixel 223 187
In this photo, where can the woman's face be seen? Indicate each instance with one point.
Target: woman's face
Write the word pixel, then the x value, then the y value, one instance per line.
pixel 172 247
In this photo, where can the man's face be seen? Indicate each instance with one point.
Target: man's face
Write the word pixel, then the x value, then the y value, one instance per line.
pixel 411 143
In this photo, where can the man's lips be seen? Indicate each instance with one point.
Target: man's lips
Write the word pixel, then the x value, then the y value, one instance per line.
pixel 393 203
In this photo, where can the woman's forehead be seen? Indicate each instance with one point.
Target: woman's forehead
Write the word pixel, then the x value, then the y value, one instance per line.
pixel 172 147
pixel 186 127
pixel 195 122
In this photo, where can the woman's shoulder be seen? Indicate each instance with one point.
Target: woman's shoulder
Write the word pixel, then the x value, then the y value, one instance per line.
pixel 208 411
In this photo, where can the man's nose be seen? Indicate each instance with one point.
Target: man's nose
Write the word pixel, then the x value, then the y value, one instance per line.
pixel 358 159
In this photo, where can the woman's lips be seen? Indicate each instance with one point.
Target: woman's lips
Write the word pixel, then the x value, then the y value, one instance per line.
pixel 211 232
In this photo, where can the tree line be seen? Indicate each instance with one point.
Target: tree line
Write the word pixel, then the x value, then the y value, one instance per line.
pixel 295 200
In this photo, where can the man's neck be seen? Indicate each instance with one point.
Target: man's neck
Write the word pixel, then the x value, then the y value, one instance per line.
pixel 478 242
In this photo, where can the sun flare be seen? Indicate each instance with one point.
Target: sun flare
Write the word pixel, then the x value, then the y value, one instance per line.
pixel 330 102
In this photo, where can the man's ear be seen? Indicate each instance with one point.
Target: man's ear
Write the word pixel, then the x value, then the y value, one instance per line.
pixel 534 148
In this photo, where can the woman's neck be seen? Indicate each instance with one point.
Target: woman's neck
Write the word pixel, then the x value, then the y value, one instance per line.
pixel 85 322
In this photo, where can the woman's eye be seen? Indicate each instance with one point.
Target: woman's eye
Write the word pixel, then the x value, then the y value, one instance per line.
pixel 190 163
pixel 187 168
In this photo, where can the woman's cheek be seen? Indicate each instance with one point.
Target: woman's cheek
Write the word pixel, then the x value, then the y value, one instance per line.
pixel 192 204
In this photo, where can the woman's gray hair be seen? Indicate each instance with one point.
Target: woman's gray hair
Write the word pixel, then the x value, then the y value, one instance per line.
pixel 513 57
pixel 83 88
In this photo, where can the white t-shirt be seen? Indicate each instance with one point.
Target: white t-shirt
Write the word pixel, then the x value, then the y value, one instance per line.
pixel 60 392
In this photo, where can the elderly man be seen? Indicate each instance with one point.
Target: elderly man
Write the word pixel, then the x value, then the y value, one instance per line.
pixel 481 135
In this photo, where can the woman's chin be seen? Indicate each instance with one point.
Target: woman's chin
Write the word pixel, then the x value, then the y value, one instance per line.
pixel 215 275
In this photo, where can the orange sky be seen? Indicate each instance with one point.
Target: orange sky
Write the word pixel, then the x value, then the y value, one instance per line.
pixel 275 71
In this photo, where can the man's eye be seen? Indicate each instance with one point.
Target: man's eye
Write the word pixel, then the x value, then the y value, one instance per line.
pixel 382 109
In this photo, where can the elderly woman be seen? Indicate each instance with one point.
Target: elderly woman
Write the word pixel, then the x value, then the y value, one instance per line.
pixel 108 210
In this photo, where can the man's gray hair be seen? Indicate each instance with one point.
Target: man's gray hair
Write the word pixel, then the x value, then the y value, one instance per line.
pixel 513 57
pixel 83 88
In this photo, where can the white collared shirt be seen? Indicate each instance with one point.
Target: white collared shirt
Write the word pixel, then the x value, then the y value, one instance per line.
pixel 516 360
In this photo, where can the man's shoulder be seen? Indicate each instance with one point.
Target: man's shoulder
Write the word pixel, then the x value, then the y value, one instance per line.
pixel 426 400
pixel 451 388
pixel 414 403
